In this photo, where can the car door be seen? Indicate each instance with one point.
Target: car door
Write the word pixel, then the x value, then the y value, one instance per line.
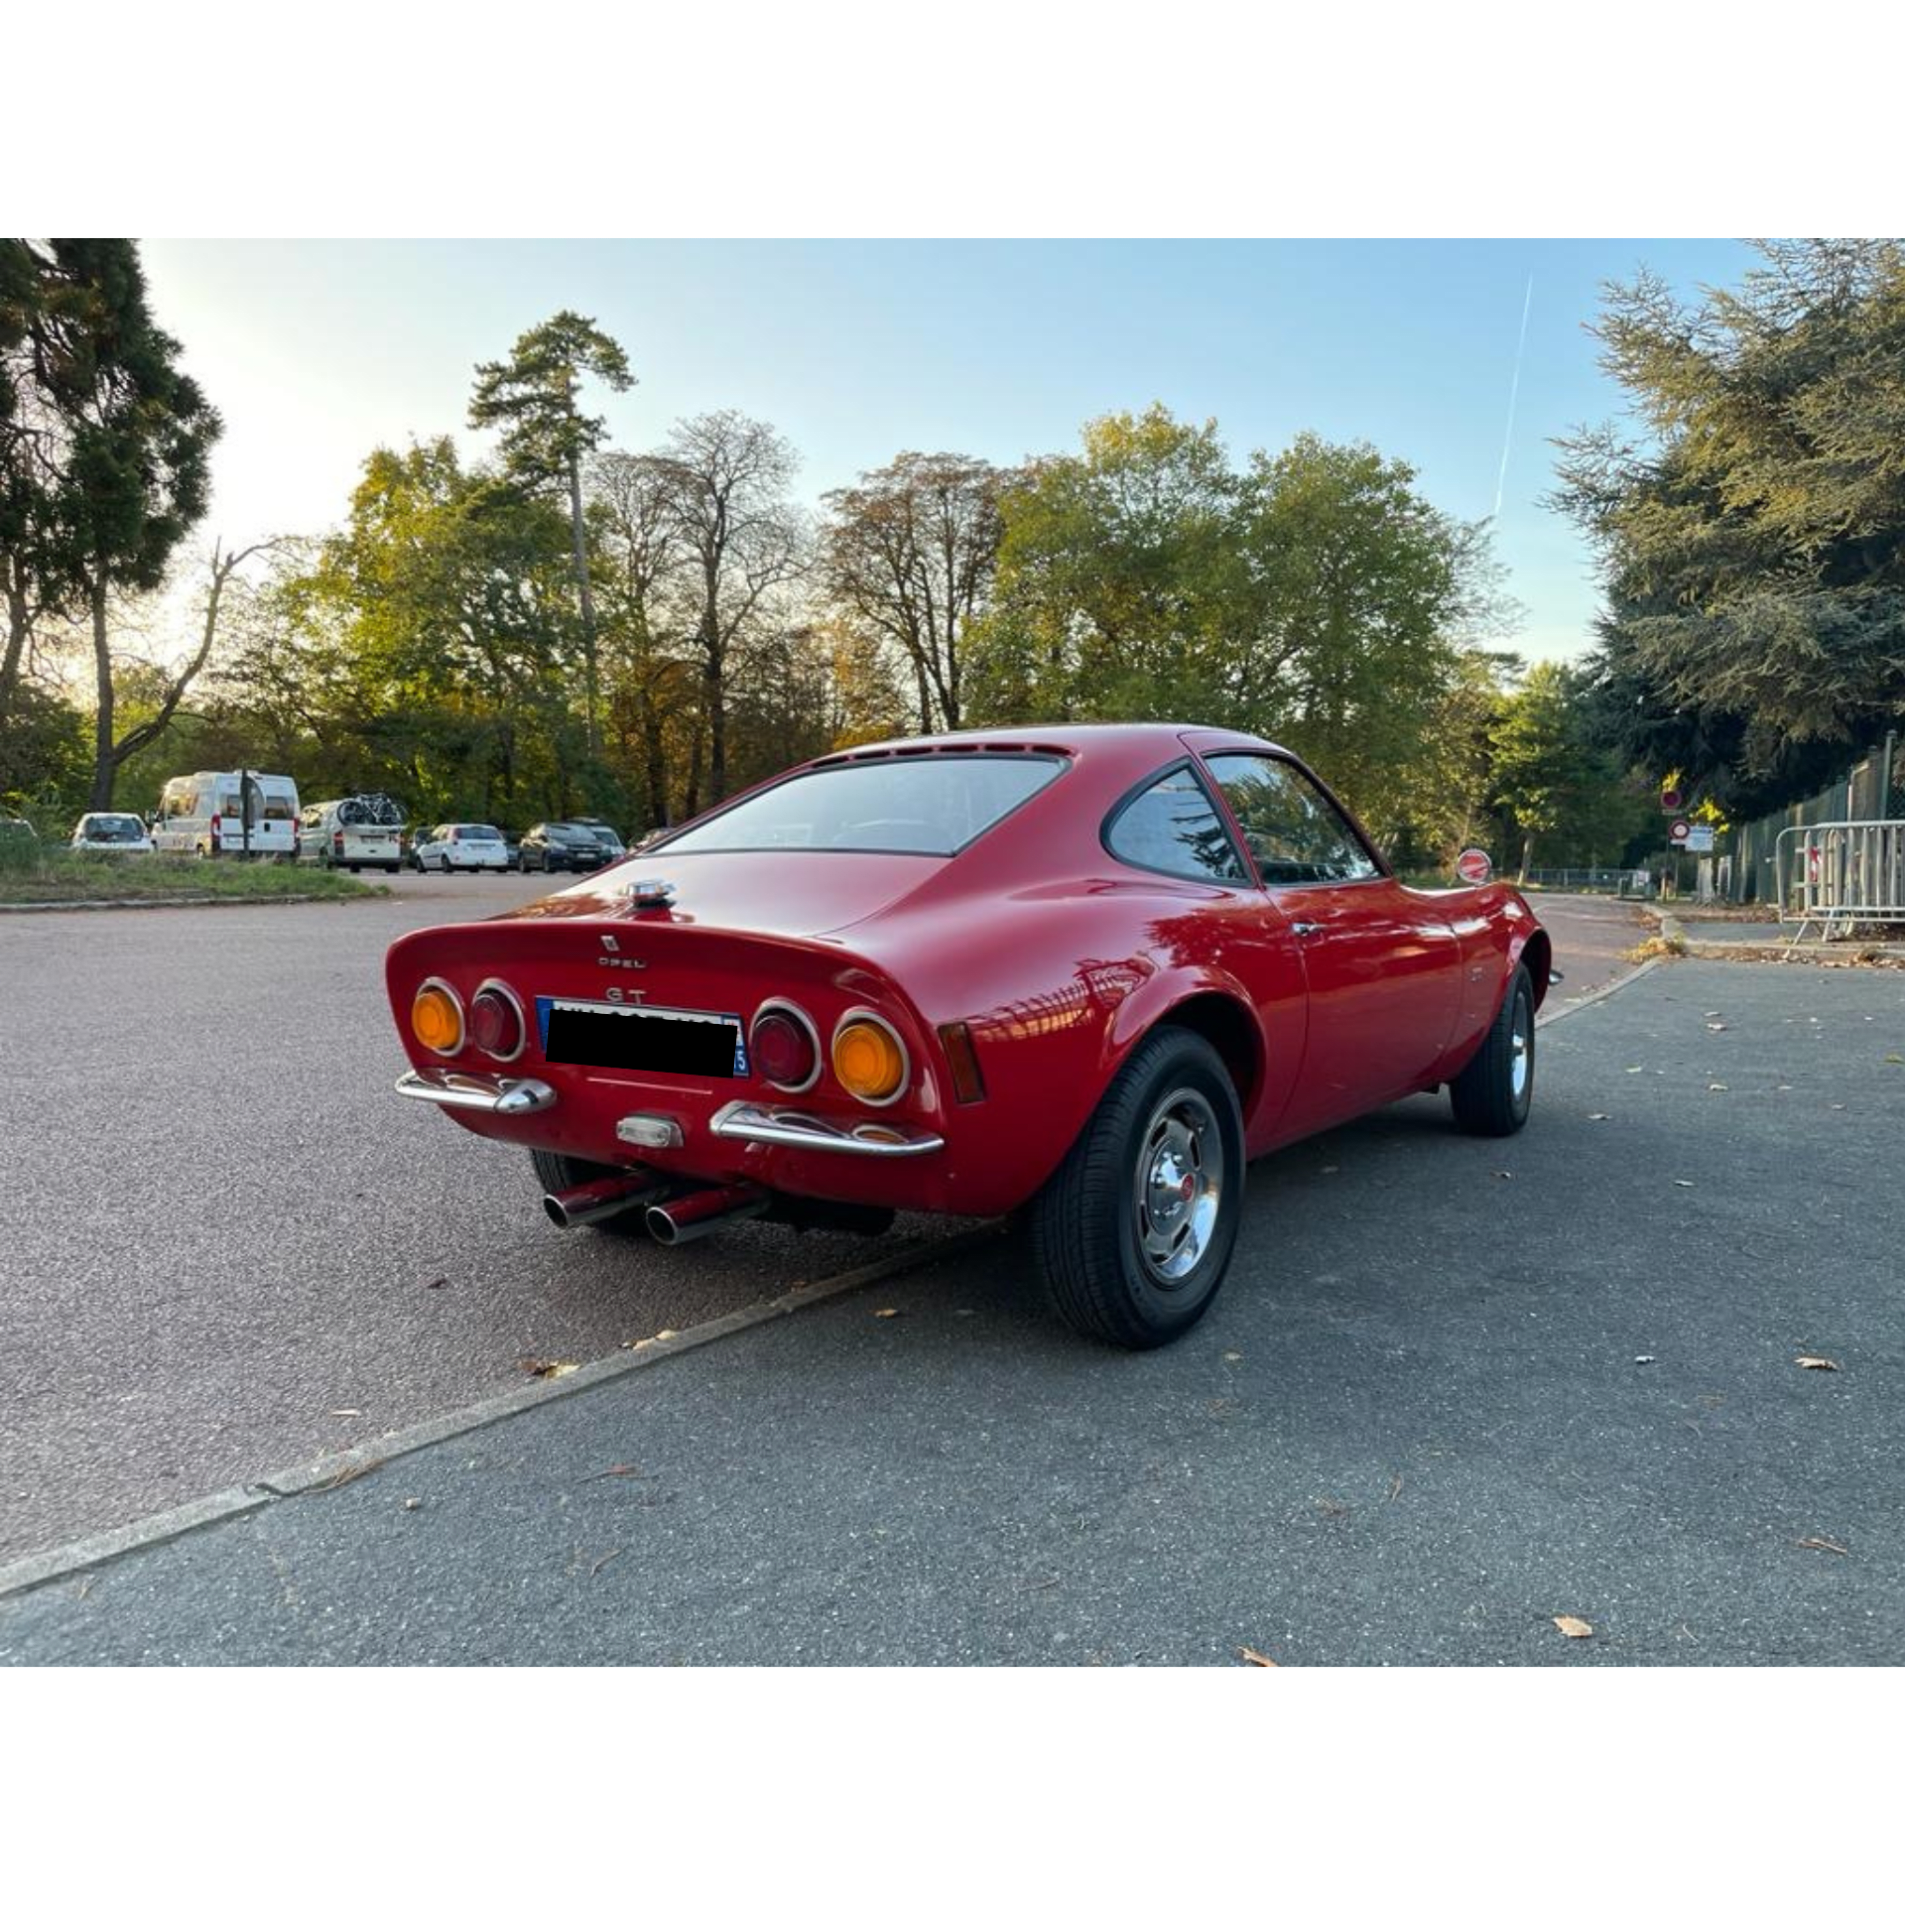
pixel 1171 825
pixel 1383 968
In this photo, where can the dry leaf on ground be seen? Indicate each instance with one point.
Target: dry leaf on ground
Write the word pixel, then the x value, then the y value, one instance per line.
pixel 1597 1117
pixel 1816 1362
pixel 1574 1628
pixel 885 1313
pixel 1819 1541
pixel 535 1366
pixel 1251 1658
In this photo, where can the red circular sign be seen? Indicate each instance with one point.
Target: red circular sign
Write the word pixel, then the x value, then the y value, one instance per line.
pixel 1474 866
pixel 1680 829
pixel 1672 799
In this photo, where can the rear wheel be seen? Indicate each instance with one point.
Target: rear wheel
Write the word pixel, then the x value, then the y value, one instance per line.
pixel 1134 1233
pixel 1493 1091
pixel 554 1172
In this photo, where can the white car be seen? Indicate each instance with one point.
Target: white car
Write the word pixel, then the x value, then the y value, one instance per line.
pixel 229 813
pixel 111 833
pixel 472 848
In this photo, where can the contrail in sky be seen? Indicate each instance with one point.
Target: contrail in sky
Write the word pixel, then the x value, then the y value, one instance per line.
pixel 1514 391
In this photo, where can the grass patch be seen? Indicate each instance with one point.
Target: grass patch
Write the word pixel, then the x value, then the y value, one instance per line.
pixel 53 875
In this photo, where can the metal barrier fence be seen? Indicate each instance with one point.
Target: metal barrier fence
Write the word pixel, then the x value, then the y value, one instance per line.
pixel 1594 879
pixel 1749 869
pixel 1841 875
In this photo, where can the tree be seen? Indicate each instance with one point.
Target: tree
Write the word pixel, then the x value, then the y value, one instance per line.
pixel 1315 596
pixel 534 396
pixel 742 542
pixel 105 449
pixel 910 552
pixel 1752 541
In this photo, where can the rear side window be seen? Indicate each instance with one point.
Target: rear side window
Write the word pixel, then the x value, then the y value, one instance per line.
pixel 935 804
pixel 1169 826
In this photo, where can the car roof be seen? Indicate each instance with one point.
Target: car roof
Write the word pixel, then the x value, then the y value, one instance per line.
pixel 1138 741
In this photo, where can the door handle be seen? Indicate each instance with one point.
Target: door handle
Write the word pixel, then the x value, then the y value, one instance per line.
pixel 1306 928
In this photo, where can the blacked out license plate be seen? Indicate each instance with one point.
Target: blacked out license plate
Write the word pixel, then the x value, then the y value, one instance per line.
pixel 642 1038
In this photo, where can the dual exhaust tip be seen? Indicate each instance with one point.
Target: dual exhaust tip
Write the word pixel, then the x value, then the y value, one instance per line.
pixel 671 1220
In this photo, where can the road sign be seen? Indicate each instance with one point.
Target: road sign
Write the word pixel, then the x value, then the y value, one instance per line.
pixel 1672 799
pixel 1679 831
pixel 1700 840
pixel 1473 865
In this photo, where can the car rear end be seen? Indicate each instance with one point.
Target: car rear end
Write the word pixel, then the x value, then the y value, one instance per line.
pixel 477 849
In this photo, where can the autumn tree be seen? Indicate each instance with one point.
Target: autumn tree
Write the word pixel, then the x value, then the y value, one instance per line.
pixel 910 551
pixel 743 544
pixel 535 396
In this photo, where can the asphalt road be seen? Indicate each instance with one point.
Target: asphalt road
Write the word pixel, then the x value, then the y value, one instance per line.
pixel 1454 1390
pixel 228 1247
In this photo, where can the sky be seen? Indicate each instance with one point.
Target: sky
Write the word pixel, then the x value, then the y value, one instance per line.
pixel 317 352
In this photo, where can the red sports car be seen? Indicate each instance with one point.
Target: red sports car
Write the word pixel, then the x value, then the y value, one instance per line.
pixel 1092 970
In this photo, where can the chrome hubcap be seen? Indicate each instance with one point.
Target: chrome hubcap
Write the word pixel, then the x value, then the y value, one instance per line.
pixel 1179 1186
pixel 1522 1049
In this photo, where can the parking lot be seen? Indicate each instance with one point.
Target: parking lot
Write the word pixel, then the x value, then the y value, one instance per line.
pixel 1454 1391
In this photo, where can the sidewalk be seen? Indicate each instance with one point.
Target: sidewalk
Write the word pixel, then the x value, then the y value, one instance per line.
pixel 1453 1390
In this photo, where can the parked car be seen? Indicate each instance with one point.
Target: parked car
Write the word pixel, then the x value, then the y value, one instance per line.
pixel 1088 970
pixel 17 831
pixel 604 833
pixel 358 831
pixel 111 833
pixel 229 813
pixel 513 843
pixel 462 846
pixel 561 846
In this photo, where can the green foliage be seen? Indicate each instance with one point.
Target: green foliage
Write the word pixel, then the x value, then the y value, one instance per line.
pixel 1314 596
pixel 532 395
pixel 1753 544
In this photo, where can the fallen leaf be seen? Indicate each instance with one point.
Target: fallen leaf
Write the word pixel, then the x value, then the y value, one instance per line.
pixel 1816 1362
pixel 1683 1183
pixel 1819 1541
pixel 1893 1058
pixel 1718 1025
pixel 1574 1628
pixel 1395 1487
pixel 413 1501
pixel 664 1336
pixel 1716 1088
pixel 1251 1658
pixel 620 1468
pixel 1632 1069
pixel 1710 1015
pixel 1332 1508
pixel 1233 1355
pixel 347 1412
pixel 1504 1174
pixel 1782 1088
pixel 1646 1359
pixel 1597 1117
pixel 885 1313
pixel 1835 1107
pixel 532 1366
pixel 596 1567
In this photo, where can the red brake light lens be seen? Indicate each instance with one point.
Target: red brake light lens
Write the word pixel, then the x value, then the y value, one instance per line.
pixel 786 1052
pixel 496 1022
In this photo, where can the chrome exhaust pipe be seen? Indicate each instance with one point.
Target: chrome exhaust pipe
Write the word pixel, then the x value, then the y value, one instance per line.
pixel 603 1197
pixel 682 1219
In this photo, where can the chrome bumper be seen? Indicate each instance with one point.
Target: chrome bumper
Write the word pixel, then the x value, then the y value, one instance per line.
pixel 514 1097
pixel 774 1124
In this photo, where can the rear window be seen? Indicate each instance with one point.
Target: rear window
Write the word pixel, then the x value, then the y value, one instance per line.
pixel 934 804
pixel 477 833
pixel 114 827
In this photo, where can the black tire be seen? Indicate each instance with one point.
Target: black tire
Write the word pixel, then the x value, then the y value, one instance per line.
pixel 554 1172
pixel 1097 1235
pixel 1492 1093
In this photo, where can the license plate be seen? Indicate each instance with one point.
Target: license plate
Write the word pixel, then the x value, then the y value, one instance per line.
pixel 639 1038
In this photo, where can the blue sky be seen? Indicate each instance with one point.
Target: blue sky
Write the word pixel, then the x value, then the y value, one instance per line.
pixel 316 352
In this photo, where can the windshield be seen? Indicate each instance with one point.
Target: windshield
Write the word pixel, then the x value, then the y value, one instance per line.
pixel 929 804
pixel 114 827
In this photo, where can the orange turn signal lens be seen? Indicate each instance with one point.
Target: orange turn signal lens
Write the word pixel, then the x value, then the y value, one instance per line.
pixel 437 1018
pixel 869 1060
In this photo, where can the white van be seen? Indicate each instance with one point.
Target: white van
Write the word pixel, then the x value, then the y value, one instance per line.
pixel 206 814
pixel 361 830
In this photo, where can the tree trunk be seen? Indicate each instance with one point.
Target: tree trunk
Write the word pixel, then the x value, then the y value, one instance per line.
pixel 105 761
pixel 657 763
pixel 590 686
pixel 717 727
pixel 1527 854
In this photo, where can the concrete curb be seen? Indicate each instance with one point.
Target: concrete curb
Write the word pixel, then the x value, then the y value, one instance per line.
pixel 1774 952
pixel 206 899
pixel 347 1465
pixel 1601 996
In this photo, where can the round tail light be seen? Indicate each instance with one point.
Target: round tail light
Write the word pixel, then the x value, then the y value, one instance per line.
pixel 785 1046
pixel 496 1020
pixel 868 1059
pixel 436 1016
